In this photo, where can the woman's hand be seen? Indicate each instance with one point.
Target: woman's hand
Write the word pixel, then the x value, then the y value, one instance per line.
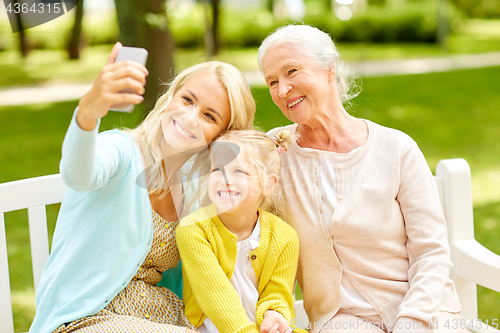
pixel 274 322
pixel 105 91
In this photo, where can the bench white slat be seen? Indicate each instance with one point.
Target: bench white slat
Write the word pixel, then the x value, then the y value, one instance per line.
pixel 6 319
pixel 457 189
pixel 39 240
pixel 457 193
pixel 301 319
pixel 440 187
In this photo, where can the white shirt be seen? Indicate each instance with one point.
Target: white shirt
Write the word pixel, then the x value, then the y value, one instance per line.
pixel 243 279
pixel 350 297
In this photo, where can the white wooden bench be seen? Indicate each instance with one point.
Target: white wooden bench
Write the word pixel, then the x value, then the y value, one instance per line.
pixel 474 264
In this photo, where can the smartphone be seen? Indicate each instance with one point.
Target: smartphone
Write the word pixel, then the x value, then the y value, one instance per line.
pixel 136 54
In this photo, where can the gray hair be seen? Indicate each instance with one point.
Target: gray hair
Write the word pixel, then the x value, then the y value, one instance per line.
pixel 318 46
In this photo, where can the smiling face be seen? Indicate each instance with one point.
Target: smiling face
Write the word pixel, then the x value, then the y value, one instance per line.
pixel 234 185
pixel 198 112
pixel 298 85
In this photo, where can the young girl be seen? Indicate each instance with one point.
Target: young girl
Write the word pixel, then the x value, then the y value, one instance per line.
pixel 239 260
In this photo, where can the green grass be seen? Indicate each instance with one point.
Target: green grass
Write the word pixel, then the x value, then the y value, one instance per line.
pixel 451 114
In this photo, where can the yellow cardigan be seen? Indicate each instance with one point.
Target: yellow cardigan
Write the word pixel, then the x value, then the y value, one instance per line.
pixel 208 254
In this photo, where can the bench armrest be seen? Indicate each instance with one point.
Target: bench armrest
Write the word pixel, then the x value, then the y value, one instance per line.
pixel 476 263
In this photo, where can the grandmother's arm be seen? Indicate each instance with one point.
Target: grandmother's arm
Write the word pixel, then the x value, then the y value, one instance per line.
pixel 427 242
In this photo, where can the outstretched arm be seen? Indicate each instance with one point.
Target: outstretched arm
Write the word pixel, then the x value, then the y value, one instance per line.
pixel 88 163
pixel 105 91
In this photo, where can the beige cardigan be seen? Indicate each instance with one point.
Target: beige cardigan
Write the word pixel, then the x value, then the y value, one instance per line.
pixel 388 232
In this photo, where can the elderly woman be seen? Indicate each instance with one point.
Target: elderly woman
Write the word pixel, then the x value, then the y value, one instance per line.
pixel 374 255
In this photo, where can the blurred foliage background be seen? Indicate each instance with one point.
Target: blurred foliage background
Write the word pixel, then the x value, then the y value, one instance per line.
pixel 406 21
pixel 452 114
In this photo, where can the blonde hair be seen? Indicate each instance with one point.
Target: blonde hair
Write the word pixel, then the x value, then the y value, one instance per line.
pixel 149 135
pixel 318 46
pixel 260 153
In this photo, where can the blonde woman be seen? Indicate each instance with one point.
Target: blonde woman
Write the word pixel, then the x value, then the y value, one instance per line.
pixel 115 230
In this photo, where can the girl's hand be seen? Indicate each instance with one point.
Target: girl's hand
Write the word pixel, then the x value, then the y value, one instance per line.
pixel 274 322
pixel 106 89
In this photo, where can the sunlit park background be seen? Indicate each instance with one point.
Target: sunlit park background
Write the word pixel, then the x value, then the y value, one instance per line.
pixel 450 114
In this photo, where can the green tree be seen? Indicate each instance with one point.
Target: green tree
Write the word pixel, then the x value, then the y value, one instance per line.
pixel 74 45
pixel 443 24
pixel 270 5
pixel 328 5
pixel 24 44
pixel 212 34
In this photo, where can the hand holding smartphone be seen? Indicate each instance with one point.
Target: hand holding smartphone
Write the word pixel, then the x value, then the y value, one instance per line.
pixel 136 54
